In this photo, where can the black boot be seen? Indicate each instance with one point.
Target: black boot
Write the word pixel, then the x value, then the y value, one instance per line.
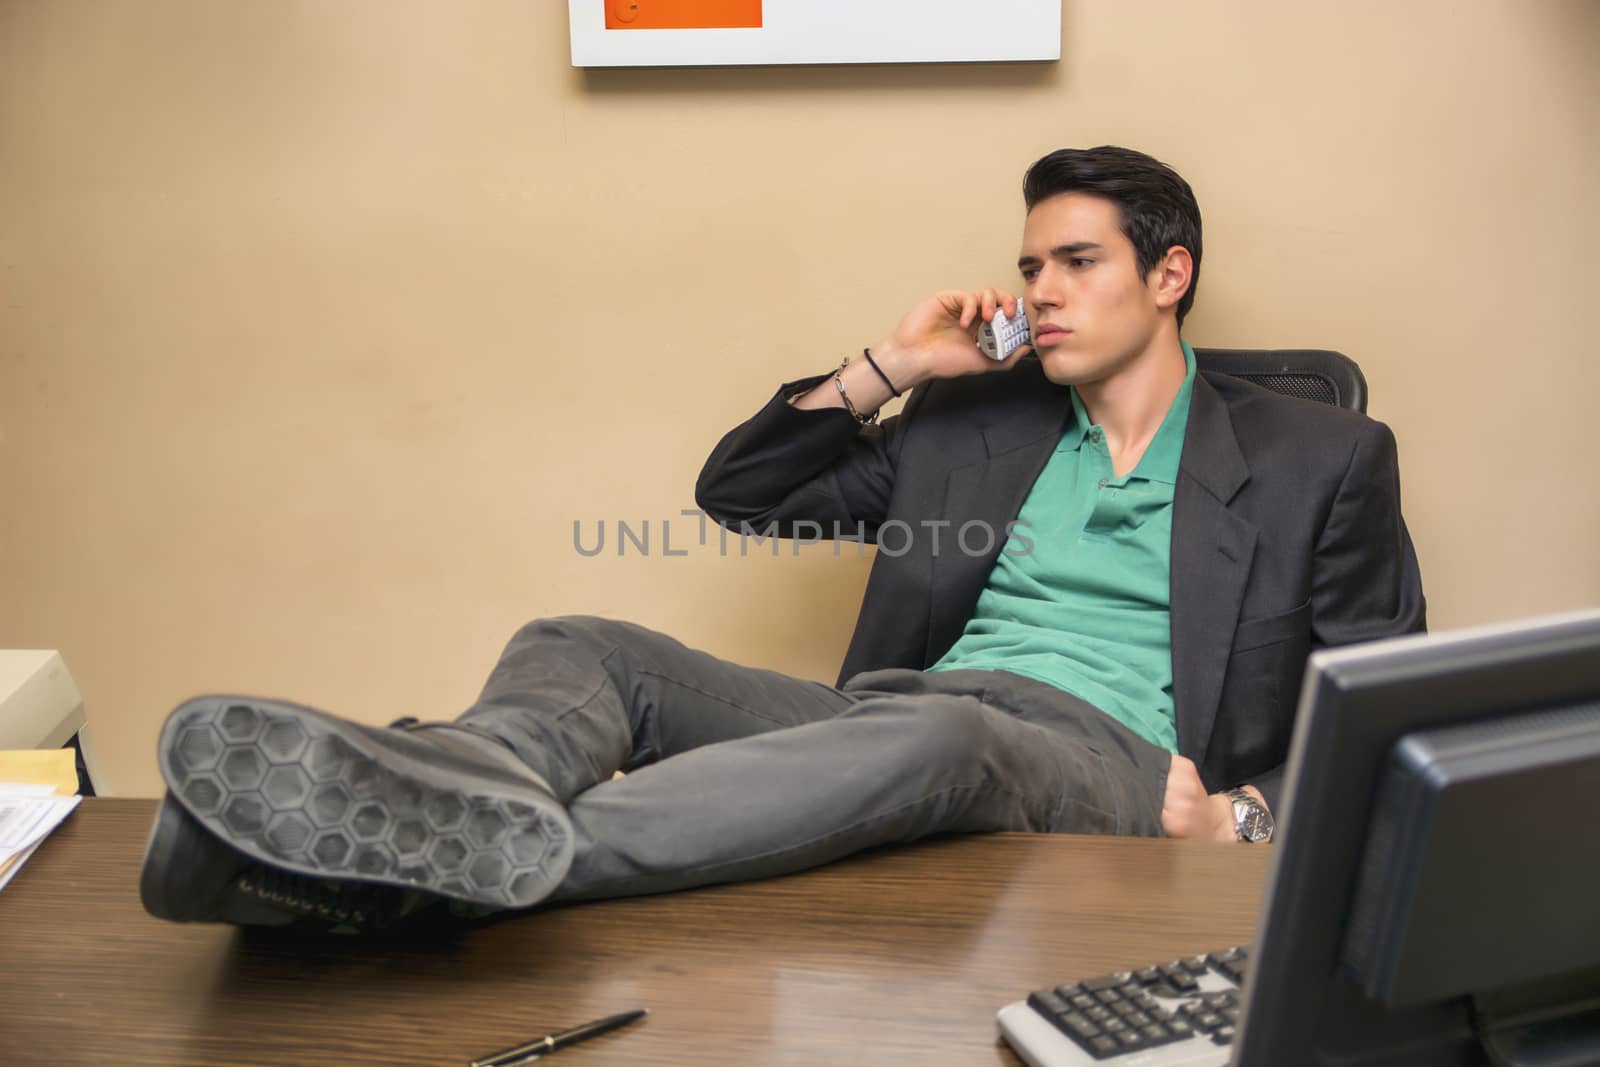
pixel 277 813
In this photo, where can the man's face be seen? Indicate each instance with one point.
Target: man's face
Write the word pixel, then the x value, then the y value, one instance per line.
pixel 1092 312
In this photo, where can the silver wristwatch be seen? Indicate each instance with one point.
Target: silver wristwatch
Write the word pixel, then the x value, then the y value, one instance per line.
pixel 1251 819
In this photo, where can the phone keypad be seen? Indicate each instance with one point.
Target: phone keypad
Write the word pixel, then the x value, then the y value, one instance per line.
pixel 1003 336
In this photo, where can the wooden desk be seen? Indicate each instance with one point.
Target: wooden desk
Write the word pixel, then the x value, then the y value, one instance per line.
pixel 898 956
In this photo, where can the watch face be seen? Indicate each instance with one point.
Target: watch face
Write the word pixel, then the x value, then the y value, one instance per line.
pixel 1255 825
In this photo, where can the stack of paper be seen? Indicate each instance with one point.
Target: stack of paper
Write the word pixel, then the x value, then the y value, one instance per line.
pixel 33 804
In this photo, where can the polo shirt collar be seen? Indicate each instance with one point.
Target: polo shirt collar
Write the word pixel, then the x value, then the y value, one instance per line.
pixel 1160 460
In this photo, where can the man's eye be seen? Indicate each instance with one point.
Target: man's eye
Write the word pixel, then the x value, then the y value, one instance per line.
pixel 1080 261
pixel 1029 275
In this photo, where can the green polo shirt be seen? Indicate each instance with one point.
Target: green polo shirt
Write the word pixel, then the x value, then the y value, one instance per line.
pixel 1087 610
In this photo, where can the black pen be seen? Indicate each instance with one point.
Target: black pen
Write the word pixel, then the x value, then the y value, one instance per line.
pixel 533 1050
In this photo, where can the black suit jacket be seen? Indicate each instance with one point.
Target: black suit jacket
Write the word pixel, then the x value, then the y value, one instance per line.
pixel 1286 534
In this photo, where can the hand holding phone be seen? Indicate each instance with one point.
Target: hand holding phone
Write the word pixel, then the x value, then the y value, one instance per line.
pixel 935 339
pixel 1003 336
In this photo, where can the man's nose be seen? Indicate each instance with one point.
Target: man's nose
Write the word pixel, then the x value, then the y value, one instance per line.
pixel 1043 292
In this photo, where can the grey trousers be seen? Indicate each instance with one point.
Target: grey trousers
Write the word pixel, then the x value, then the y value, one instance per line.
pixel 737 773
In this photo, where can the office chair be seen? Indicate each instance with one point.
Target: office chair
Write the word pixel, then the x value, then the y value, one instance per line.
pixel 1309 373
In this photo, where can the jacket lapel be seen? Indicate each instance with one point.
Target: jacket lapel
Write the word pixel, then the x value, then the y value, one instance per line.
pixel 1211 553
pixel 990 490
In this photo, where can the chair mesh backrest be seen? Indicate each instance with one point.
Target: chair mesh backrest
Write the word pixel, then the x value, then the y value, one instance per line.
pixel 1308 373
pixel 1305 386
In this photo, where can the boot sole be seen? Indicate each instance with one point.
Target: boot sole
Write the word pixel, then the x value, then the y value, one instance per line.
pixel 167 881
pixel 296 788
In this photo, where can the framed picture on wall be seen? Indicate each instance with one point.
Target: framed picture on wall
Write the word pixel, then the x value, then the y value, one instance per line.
pixel 713 33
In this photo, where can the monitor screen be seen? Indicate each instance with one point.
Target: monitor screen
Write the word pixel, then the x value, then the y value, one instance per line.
pixel 1434 895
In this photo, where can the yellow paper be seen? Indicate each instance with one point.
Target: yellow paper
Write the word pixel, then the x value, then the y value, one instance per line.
pixel 55 767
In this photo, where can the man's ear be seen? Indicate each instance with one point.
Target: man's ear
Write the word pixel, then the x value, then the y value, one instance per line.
pixel 1169 279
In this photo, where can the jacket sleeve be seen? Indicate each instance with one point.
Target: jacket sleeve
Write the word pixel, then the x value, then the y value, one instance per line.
pixel 1365 582
pixel 784 466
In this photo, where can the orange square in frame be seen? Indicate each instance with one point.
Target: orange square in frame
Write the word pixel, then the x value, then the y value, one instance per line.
pixel 683 14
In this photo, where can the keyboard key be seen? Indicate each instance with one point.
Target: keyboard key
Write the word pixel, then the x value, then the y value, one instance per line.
pixel 1079 1027
pixel 1223 1035
pixel 1147 976
pixel 1208 1022
pixel 1103 1046
pixel 1227 955
pixel 1047 1003
pixel 1156 1034
pixel 1130 1040
pixel 1108 981
pixel 1081 1001
pixel 1183 982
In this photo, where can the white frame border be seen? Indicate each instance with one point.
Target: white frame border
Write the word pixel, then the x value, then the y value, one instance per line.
pixel 833 31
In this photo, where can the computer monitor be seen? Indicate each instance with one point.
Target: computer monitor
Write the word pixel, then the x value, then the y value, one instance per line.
pixel 1434 895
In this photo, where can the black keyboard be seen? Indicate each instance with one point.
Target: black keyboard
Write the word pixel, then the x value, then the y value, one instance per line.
pixel 1190 1004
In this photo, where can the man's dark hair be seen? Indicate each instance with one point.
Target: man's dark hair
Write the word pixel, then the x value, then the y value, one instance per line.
pixel 1158 207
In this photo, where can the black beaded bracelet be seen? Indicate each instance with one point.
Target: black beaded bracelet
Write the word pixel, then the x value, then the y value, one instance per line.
pixel 874 365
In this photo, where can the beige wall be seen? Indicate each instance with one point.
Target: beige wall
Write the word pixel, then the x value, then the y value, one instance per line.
pixel 321 322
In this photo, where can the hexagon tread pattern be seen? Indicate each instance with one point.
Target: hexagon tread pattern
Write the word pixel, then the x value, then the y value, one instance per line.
pixel 295 788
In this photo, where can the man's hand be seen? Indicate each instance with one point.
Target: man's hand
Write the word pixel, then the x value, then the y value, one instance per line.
pixel 1189 811
pixel 936 338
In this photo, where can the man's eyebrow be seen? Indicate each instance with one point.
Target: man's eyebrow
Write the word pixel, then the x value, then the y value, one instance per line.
pixel 1061 250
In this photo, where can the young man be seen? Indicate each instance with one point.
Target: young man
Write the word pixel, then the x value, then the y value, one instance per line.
pixel 1127 661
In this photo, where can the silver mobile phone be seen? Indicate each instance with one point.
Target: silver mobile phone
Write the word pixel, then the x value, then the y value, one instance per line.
pixel 1003 336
